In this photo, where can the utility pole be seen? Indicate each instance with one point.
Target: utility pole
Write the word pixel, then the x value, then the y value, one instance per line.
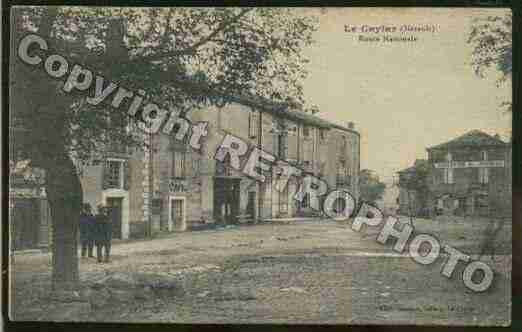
pixel 259 146
pixel 151 183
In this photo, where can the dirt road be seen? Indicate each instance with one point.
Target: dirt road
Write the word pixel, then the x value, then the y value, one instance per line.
pixel 309 272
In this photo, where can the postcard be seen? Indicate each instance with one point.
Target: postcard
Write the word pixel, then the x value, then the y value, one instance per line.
pixel 260 165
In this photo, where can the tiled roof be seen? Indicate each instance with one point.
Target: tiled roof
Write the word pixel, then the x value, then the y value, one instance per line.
pixel 413 168
pixel 407 170
pixel 472 138
pixel 289 111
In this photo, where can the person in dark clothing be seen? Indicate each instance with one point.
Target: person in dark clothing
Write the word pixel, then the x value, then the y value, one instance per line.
pixel 103 233
pixel 87 230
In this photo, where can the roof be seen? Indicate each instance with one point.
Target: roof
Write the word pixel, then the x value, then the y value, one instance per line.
pixel 407 170
pixel 413 168
pixel 289 111
pixel 334 125
pixel 474 138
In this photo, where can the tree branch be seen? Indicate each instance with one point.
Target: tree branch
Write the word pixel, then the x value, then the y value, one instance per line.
pixel 192 49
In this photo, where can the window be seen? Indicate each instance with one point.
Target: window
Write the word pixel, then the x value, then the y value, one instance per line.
pixel 436 156
pixel 307 152
pixel 438 176
pixel 483 175
pixel 448 175
pixel 251 204
pixel 253 125
pixel 497 154
pixel 196 165
pixel 481 201
pixel 282 146
pixel 305 203
pixel 448 172
pixel 178 164
pixel 341 172
pixel 283 200
pixel 114 174
pixel 343 144
pixel 306 131
pixel 156 206
pixel 322 134
pixel 177 211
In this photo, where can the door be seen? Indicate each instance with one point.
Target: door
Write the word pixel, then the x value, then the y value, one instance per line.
pixel 226 200
pixel 25 223
pixel 177 213
pixel 251 205
pixel 115 207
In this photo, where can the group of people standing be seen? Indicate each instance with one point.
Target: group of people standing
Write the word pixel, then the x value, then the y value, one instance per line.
pixel 95 230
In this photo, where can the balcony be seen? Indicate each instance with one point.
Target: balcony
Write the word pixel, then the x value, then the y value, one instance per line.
pixel 458 188
pixel 177 185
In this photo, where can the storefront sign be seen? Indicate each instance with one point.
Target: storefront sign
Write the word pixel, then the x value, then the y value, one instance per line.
pixel 176 185
pixel 470 164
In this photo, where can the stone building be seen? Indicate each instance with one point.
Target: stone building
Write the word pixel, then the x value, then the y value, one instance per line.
pixel 172 187
pixel 29 213
pixel 412 199
pixel 471 175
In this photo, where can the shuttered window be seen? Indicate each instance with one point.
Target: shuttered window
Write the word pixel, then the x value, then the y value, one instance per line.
pixel 282 146
pixel 253 125
pixel 283 200
pixel 322 135
pixel 448 175
pixel 196 165
pixel 306 131
pixel 178 164
pixel 116 174
pixel 305 203
pixel 483 175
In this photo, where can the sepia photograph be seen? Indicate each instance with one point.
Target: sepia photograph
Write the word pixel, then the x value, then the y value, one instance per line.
pixel 260 165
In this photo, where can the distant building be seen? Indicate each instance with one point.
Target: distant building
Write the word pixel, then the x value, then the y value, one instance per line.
pixel 470 175
pixel 412 198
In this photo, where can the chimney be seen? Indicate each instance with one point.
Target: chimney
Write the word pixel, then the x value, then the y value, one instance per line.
pixel 350 125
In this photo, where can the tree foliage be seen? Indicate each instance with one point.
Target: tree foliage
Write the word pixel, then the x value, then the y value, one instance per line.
pixel 181 57
pixel 492 42
pixel 417 179
pixel 371 189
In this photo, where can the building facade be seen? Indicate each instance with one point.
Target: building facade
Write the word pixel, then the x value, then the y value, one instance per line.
pixel 413 194
pixel 172 187
pixel 469 175
pixel 29 213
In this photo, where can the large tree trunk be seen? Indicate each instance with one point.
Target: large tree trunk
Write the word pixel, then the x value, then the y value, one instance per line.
pixel 65 197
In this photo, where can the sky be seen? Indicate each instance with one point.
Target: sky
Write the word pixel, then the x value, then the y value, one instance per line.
pixel 403 96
